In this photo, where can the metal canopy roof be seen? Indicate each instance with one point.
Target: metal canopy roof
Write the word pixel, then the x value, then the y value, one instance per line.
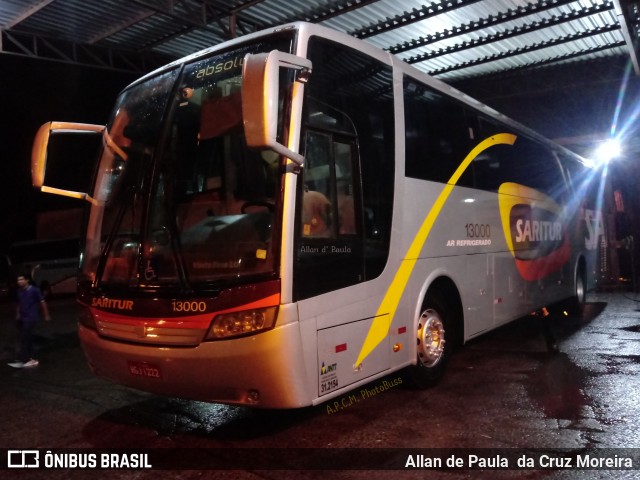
pixel 450 39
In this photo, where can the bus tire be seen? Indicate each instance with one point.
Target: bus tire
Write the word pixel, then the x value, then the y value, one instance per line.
pixel 579 298
pixel 435 342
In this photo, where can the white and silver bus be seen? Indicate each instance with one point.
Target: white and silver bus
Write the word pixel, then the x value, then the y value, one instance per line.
pixel 289 215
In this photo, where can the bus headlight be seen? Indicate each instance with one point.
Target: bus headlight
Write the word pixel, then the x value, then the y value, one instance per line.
pixel 246 322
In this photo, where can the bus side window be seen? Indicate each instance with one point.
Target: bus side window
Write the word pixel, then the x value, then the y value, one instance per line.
pixel 328 203
pixel 437 136
pixel 526 162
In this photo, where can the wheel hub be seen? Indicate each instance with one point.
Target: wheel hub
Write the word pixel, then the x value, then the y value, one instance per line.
pixel 431 338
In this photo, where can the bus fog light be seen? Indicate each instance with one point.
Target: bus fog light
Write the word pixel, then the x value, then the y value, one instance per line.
pixel 237 324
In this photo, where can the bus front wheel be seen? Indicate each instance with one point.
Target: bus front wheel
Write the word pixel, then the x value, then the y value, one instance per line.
pixel 434 343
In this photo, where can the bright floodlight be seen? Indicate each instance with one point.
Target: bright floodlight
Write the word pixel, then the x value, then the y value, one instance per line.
pixel 608 151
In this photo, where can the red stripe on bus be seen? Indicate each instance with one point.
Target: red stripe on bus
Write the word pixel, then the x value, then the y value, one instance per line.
pixel 539 268
pixel 201 321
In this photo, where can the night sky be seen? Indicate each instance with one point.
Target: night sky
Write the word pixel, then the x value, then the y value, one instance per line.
pixel 33 92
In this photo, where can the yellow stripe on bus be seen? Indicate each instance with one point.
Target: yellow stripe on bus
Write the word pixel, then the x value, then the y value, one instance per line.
pixel 387 310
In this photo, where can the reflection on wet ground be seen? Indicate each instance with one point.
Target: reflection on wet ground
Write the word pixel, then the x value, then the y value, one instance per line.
pixel 164 421
pixel 557 387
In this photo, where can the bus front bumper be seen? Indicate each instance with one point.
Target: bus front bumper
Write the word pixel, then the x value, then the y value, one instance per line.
pixel 264 370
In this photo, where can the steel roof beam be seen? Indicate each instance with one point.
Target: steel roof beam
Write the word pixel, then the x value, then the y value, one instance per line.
pixel 514 32
pixel 624 11
pixel 493 20
pixel 327 12
pixel 129 22
pixel 26 13
pixel 218 15
pixel 199 14
pixel 416 15
pixel 332 10
pixel 189 14
pixel 537 46
pixel 232 10
pixel 63 51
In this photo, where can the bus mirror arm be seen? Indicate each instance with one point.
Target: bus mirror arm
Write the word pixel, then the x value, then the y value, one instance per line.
pixel 40 149
pixel 260 98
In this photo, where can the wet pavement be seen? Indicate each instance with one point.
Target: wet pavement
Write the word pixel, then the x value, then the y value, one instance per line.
pixel 503 391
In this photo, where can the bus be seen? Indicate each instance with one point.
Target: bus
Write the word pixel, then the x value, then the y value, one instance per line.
pixel 51 264
pixel 290 215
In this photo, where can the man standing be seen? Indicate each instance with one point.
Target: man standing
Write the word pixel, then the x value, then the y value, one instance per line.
pixel 27 316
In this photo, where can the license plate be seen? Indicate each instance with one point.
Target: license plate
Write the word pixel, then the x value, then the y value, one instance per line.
pixel 143 369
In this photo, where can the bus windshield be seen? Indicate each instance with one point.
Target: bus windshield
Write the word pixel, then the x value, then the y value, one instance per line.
pixel 180 201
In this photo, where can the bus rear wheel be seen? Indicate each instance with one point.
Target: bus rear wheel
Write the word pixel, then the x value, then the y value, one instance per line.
pixel 577 302
pixel 434 343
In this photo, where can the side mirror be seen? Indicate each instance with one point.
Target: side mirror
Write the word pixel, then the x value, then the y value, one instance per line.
pixel 260 98
pixel 40 149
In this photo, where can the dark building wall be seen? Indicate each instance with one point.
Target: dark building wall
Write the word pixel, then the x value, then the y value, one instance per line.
pixel 33 92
